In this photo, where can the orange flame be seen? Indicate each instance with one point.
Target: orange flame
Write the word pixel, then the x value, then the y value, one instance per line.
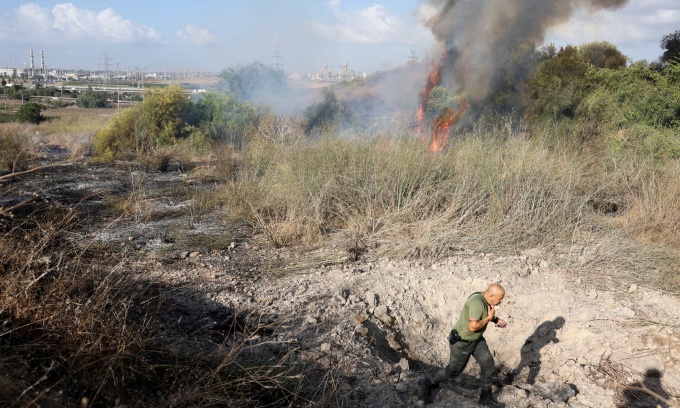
pixel 442 124
pixel 432 80
pixel 446 118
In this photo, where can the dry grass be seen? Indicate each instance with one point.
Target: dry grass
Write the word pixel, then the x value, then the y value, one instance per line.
pixel 80 327
pixel 71 128
pixel 654 203
pixel 493 189
pixel 397 192
pixel 16 149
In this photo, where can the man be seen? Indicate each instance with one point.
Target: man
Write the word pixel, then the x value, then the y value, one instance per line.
pixel 467 340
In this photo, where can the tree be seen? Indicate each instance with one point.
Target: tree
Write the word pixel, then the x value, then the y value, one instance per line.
pixel 91 99
pixel 670 43
pixel 30 113
pixel 602 55
pixel 438 99
pixel 557 85
pixel 252 82
pixel 327 113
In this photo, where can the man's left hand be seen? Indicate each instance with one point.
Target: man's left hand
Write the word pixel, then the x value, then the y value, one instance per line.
pixel 501 324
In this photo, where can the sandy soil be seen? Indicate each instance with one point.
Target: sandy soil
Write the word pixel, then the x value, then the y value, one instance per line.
pixel 568 342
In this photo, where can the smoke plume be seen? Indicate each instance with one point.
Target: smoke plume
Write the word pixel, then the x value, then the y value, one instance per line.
pixel 478 34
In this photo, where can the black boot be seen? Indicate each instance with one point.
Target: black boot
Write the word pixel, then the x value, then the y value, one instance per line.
pixel 426 388
pixel 487 399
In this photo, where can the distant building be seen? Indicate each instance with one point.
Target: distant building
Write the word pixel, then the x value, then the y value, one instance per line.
pixel 8 72
pixel 345 72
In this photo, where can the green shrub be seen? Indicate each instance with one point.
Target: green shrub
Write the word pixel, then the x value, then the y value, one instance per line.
pixel 158 121
pixel 30 112
pixel 122 137
pixel 557 86
pixel 223 118
pixel 602 55
pixel 91 99
pixel 328 114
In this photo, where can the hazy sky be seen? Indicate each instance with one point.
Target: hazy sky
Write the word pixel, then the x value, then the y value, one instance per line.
pixel 210 35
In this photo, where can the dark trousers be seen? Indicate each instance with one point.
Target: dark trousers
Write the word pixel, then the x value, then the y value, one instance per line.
pixel 460 355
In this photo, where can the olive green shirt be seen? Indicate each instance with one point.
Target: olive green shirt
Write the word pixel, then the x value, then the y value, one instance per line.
pixel 475 308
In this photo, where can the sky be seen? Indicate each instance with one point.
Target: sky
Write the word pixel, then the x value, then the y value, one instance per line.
pixel 298 35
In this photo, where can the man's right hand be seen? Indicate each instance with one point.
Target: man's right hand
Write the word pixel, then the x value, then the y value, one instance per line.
pixel 492 312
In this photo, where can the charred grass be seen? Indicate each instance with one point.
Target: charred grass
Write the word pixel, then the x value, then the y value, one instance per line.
pixel 79 326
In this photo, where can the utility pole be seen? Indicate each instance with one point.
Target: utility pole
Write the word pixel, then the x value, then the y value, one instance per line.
pixel 106 64
pixel 278 58
pixel 118 86
pixel 412 59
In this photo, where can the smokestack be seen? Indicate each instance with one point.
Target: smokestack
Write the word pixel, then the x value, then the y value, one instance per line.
pixel 477 35
pixel 42 63
pixel 32 64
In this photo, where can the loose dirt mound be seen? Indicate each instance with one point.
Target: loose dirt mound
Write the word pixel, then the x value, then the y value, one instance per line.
pixel 383 324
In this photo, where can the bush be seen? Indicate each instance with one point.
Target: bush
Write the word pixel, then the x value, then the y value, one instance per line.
pixel 223 118
pixel 91 99
pixel 160 120
pixel 602 55
pixel 557 86
pixel 30 112
pixel 328 114
pixel 167 117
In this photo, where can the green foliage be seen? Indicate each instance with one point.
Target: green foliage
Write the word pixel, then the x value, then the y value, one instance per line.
pixel 164 114
pixel 252 81
pixel 30 112
pixel 167 117
pixel 327 114
pixel 670 43
pixel 637 95
pixel 122 137
pixel 439 98
pixel 15 91
pixel 509 85
pixel 224 118
pixel 91 99
pixel 557 86
pixel 158 121
pixel 602 55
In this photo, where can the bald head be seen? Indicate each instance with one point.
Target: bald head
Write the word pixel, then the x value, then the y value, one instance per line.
pixel 494 294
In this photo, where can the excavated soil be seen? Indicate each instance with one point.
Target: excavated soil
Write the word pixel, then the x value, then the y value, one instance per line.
pixel 574 339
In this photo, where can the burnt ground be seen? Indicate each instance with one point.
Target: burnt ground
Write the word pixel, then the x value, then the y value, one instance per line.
pixel 376 325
